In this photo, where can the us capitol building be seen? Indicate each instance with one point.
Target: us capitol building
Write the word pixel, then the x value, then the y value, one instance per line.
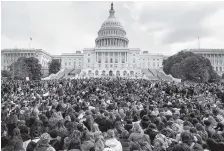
pixel 111 56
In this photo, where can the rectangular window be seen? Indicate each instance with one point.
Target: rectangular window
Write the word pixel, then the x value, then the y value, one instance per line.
pixel 220 68
pixel 65 63
pixel 88 60
pixel 133 60
pixel 217 69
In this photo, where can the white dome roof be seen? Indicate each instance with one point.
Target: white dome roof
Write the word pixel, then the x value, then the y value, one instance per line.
pixel 112 22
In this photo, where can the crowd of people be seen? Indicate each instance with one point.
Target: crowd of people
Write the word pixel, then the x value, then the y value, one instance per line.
pixel 103 114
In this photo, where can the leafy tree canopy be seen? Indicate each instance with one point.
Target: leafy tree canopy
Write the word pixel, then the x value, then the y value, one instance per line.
pixel 6 73
pixel 26 67
pixel 54 66
pixel 190 66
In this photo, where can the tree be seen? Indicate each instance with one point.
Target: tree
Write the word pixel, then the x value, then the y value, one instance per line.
pixel 6 73
pixel 54 66
pixel 190 66
pixel 26 67
pixel 34 68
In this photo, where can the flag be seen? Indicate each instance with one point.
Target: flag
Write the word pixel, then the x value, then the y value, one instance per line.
pixel 30 38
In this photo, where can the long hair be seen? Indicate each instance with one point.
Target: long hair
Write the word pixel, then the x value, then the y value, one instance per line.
pixel 95 127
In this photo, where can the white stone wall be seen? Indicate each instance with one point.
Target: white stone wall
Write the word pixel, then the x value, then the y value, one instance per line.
pixel 72 61
pixel 151 61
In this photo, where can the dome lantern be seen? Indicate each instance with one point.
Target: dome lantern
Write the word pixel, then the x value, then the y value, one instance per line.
pixel 112 11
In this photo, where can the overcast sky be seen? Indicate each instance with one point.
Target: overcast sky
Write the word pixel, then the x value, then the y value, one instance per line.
pixel 157 27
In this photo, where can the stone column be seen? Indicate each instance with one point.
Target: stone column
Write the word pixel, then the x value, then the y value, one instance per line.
pixel 126 57
pixel 96 56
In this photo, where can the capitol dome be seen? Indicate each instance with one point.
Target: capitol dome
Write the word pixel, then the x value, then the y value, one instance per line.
pixel 111 33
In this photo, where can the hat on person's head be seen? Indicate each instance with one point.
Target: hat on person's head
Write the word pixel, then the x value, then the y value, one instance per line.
pixel 168 113
pixel 45 138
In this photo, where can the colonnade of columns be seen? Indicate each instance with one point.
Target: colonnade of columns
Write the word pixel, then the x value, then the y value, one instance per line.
pixel 217 60
pixel 111 42
pixel 116 57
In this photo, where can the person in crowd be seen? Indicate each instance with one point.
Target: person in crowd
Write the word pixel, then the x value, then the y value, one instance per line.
pixel 112 143
pixel 111 114
pixel 43 143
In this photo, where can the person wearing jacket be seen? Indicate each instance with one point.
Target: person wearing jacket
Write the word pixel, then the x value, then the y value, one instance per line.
pixel 112 143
